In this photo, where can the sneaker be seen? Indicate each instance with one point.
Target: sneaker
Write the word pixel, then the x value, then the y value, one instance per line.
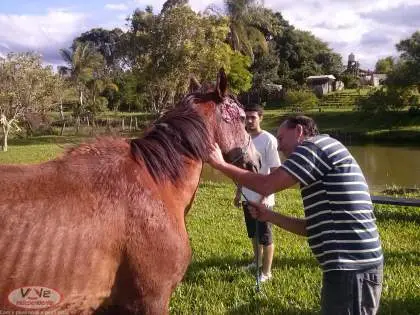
pixel 252 266
pixel 265 277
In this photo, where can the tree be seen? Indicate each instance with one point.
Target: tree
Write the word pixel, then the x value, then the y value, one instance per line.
pixel 240 79
pixel 95 100
pixel 168 47
pixel 84 64
pixel 406 71
pixel 169 4
pixel 410 48
pixel 384 65
pixel 265 70
pixel 300 54
pixel 244 35
pixel 26 86
pixel 106 42
pixel 265 82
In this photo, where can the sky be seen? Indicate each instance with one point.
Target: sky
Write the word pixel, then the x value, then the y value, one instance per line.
pixel 368 28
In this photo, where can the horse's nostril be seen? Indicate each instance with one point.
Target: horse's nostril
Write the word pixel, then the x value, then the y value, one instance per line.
pixel 250 166
pixel 255 168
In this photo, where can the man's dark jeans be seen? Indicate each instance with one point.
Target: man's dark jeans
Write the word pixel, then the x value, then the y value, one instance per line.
pixel 351 292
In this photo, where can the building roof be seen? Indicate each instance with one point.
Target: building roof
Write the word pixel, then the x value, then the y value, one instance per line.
pixel 273 86
pixel 381 76
pixel 316 77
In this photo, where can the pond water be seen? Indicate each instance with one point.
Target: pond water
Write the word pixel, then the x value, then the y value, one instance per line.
pixel 382 166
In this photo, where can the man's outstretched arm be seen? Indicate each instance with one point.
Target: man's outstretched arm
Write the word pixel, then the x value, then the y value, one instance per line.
pixel 262 184
pixel 262 213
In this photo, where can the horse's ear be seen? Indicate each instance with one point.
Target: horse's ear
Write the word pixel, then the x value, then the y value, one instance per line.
pixel 221 83
pixel 194 84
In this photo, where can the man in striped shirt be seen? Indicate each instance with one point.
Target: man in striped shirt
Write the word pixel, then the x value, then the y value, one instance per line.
pixel 339 222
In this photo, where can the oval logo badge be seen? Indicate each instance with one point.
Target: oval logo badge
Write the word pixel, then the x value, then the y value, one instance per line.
pixel 34 297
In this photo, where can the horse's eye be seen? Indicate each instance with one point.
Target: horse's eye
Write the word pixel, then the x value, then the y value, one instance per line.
pixel 243 119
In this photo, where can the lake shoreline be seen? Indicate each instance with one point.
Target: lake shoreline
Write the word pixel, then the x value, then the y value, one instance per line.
pixel 355 127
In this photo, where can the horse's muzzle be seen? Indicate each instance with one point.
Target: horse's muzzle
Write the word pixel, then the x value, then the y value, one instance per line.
pixel 244 159
pixel 252 167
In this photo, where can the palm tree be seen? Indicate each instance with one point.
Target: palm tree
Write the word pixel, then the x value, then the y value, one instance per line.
pixel 244 36
pixel 83 62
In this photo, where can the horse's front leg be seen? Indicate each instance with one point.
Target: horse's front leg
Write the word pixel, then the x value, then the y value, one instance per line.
pixel 153 265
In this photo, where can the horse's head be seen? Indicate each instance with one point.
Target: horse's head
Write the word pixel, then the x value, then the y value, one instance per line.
pixel 225 119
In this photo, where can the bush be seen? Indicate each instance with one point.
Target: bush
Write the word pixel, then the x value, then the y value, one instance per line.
pixel 350 81
pixel 391 98
pixel 384 100
pixel 301 99
pixel 413 110
pixel 410 96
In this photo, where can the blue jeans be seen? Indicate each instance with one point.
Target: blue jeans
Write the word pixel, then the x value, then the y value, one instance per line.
pixel 351 292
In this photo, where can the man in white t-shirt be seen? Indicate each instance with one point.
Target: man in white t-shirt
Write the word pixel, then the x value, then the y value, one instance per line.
pixel 266 145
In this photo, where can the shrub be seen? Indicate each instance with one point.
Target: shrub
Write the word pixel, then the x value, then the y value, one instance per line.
pixel 301 99
pixel 350 81
pixel 384 100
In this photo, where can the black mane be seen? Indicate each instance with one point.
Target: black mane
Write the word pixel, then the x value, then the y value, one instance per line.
pixel 179 133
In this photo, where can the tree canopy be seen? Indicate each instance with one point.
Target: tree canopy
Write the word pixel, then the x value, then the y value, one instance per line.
pixel 26 86
pixel 385 65
pixel 257 47
pixel 406 72
pixel 147 66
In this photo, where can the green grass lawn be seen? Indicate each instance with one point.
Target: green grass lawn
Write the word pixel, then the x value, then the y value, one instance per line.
pixel 216 284
pixel 31 153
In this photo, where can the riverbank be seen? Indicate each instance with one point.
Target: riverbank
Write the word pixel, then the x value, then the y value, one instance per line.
pixel 398 128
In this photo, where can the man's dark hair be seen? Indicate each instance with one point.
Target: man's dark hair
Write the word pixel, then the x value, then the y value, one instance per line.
pixel 254 108
pixel 310 128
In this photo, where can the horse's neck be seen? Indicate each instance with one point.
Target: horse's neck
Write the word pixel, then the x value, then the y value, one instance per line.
pixel 181 194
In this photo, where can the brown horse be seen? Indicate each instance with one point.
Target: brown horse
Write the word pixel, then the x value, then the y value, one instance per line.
pixel 101 229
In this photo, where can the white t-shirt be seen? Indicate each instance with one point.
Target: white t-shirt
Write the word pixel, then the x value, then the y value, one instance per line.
pixel 266 145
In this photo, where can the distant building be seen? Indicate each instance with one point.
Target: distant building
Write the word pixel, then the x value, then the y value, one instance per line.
pixel 352 65
pixel 372 79
pixel 366 77
pixel 321 84
pixel 378 78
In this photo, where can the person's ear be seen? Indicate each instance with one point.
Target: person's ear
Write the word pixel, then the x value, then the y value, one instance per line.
pixel 299 131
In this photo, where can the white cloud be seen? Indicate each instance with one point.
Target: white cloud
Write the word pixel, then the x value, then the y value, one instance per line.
pixel 45 34
pixel 116 6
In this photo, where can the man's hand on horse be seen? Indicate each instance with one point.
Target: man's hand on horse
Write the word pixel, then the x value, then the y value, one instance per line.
pixel 260 212
pixel 216 157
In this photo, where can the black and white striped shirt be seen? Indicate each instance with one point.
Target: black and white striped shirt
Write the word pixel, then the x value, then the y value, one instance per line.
pixel 340 223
